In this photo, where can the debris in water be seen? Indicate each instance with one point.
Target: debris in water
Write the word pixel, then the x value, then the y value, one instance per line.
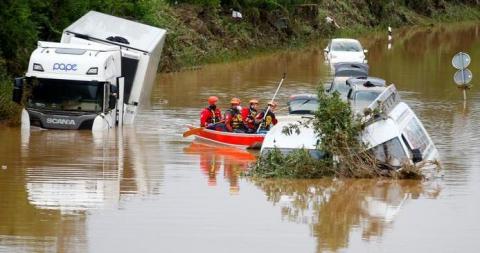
pixel 4 167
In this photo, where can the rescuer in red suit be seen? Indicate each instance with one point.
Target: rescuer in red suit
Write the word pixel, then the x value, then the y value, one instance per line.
pixel 249 115
pixel 210 115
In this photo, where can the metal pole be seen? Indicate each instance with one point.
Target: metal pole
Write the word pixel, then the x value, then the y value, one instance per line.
pixel 271 101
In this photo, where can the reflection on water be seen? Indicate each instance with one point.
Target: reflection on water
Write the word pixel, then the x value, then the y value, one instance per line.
pixel 74 191
pixel 214 158
pixel 333 208
pixel 53 179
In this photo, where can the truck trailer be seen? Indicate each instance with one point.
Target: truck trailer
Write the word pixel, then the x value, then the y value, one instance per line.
pixel 96 77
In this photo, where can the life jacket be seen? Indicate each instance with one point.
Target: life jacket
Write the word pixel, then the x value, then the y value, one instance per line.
pixel 269 121
pixel 248 116
pixel 234 119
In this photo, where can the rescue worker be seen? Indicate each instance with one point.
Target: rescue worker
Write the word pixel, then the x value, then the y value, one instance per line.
pixel 270 120
pixel 233 117
pixel 249 115
pixel 210 115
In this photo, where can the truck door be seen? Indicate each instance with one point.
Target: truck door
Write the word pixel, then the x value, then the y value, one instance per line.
pixel 129 70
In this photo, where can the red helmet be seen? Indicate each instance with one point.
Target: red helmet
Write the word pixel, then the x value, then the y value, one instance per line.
pixel 235 101
pixel 212 100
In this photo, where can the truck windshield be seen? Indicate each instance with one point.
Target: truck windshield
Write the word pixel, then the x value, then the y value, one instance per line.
pixel 391 152
pixel 66 95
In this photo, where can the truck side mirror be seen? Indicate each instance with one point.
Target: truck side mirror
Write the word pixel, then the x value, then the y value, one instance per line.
pixel 114 89
pixel 416 155
pixel 17 90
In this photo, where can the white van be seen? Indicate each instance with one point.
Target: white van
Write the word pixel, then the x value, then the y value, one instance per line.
pixel 393 133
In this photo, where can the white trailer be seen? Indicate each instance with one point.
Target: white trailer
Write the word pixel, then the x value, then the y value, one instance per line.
pixel 97 77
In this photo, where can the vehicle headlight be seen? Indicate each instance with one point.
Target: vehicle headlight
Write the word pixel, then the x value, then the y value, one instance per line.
pixel 92 71
pixel 37 67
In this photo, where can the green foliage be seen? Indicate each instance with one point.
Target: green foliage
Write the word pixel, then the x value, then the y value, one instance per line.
pixel 297 164
pixel 334 120
pixel 9 111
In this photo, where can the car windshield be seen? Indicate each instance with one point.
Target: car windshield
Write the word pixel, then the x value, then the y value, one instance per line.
pixel 66 95
pixel 391 152
pixel 365 98
pixel 341 87
pixel 303 106
pixel 346 46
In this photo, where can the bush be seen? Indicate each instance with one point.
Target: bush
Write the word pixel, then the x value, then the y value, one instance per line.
pixel 9 111
pixel 346 155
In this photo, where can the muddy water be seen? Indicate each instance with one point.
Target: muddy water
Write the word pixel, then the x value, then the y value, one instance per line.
pixel 146 189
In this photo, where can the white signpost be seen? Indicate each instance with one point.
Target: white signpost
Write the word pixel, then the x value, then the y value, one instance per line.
pixel 463 76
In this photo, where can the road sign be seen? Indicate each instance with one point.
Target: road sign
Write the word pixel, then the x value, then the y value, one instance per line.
pixel 463 77
pixel 461 60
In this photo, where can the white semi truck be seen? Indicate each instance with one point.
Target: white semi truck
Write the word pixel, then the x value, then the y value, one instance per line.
pixel 96 78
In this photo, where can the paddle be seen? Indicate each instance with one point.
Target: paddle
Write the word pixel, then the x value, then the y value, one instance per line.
pixel 192 131
pixel 271 101
pixel 196 130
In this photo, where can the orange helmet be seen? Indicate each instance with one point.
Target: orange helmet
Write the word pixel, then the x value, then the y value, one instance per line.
pixel 253 101
pixel 212 100
pixel 235 101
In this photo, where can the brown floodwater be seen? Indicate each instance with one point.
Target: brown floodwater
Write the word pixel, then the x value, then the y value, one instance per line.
pixel 146 189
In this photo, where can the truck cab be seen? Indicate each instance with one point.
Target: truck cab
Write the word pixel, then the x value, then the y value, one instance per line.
pixel 97 77
pixel 69 85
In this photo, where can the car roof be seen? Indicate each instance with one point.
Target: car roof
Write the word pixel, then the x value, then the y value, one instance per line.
pixel 362 87
pixel 351 69
pixel 368 81
pixel 343 65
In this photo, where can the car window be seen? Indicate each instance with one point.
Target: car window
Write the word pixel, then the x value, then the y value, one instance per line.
pixel 366 97
pixel 346 46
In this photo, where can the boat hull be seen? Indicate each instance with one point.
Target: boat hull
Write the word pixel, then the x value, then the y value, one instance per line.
pixel 238 140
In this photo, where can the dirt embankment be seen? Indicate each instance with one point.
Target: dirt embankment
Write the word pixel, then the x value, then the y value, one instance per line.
pixel 203 34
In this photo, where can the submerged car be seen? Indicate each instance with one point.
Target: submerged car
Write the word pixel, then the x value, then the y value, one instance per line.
pixel 396 135
pixel 343 85
pixel 344 50
pixel 393 133
pixel 350 69
pixel 361 94
pixel 301 108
